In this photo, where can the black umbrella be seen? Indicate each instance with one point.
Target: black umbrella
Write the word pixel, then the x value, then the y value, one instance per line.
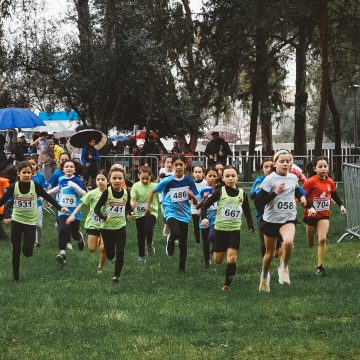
pixel 82 138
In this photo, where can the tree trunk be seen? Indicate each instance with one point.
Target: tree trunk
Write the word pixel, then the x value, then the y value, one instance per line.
pixel 324 38
pixel 301 94
pixel 337 132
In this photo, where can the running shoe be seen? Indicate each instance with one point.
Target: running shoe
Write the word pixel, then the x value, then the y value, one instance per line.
pixel 115 280
pixel 320 271
pixel 69 246
pixel 151 249
pixel 169 249
pixel 226 288
pixel 141 260
pixel 264 283
pixel 37 244
pixel 283 272
pixel 61 258
pixel 81 243
pixel 99 270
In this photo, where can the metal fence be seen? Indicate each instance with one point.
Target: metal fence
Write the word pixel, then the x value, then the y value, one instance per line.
pixel 351 178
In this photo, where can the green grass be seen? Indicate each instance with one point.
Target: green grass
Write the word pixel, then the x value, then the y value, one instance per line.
pixel 157 313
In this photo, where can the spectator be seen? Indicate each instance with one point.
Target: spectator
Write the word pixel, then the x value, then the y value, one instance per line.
pixel 89 158
pixel 176 149
pixel 151 148
pixel 47 159
pixel 20 147
pixel 58 150
pixel 217 150
pixel 4 162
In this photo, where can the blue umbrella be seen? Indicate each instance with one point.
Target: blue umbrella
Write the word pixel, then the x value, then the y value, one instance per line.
pixel 11 118
pixel 120 137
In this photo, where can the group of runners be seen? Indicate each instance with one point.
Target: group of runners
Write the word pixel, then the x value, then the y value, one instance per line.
pixel 212 199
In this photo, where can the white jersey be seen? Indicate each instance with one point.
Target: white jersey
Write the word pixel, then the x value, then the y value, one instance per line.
pixel 283 207
pixel 199 186
pixel 164 174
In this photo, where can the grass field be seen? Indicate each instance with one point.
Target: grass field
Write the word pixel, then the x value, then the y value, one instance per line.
pixel 157 313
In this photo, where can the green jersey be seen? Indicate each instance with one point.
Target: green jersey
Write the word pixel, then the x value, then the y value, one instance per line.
pixel 25 205
pixel 229 211
pixel 141 192
pixel 116 209
pixel 90 199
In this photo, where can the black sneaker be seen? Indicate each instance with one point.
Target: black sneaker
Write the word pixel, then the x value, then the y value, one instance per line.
pixel 61 258
pixel 169 249
pixel 81 243
pixel 320 271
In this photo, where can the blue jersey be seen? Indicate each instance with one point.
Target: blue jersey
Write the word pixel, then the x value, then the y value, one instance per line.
pixel 256 189
pixel 68 197
pixel 175 197
pixel 40 179
pixel 54 180
pixel 211 211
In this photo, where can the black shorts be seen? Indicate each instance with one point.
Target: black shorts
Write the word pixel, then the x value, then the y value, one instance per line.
pixel 95 232
pixel 272 229
pixel 226 240
pixel 314 221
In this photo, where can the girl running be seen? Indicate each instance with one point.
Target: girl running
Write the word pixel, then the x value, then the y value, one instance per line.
pixel 92 221
pixel 144 222
pixel 177 191
pixel 70 190
pixel 231 203
pixel 320 189
pixel 24 216
pixel 277 195
pixel 207 233
pixel 266 168
pixel 39 178
pixel 54 180
pixel 200 183
pixel 111 208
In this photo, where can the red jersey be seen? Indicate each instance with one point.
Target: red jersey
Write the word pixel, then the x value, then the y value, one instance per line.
pixel 318 192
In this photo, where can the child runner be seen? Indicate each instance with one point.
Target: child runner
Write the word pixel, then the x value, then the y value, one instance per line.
pixel 277 194
pixel 164 172
pixel 39 178
pixel 177 191
pixel 144 223
pixel 54 180
pixel 70 189
pixel 92 221
pixel 231 203
pixel 114 200
pixel 200 183
pixel 208 233
pixel 320 189
pixel 24 216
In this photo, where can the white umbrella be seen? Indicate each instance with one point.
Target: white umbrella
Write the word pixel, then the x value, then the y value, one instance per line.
pixel 228 132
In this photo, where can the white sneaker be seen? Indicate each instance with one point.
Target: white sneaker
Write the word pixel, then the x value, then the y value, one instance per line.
pixel 283 272
pixel 141 260
pixel 69 246
pixel 166 230
pixel 264 283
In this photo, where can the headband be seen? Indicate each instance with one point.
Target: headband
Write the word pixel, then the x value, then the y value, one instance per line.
pixel 280 152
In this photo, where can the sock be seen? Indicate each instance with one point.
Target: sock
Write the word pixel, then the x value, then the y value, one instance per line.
pixel 230 272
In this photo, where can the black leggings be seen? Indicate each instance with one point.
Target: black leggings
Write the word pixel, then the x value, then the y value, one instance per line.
pixel 25 234
pixel 114 244
pixel 207 236
pixel 196 221
pixel 145 229
pixel 68 231
pixel 179 231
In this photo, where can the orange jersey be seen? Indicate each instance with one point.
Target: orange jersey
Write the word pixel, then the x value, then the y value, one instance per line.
pixel 318 192
pixel 4 184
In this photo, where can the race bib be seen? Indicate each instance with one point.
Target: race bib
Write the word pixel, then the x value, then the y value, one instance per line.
pixel 68 200
pixel 179 194
pixel 25 203
pixel 321 204
pixel 115 208
pixel 140 208
pixel 95 219
pixel 231 212
pixel 284 204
